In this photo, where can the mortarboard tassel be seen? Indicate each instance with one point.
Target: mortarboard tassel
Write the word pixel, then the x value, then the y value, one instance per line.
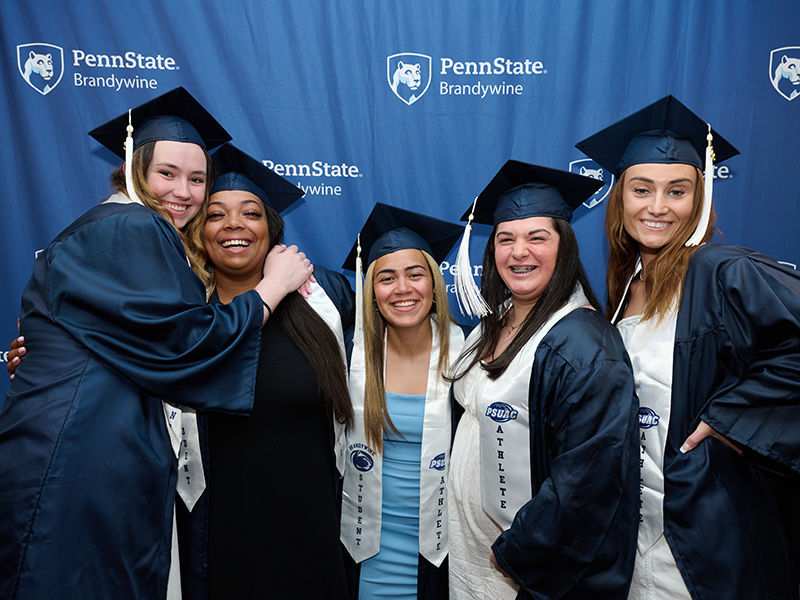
pixel 708 191
pixel 129 163
pixel 470 301
pixel 359 325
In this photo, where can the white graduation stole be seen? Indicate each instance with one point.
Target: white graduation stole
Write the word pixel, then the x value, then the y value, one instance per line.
pixel 326 309
pixel 502 408
pixel 650 346
pixel 362 496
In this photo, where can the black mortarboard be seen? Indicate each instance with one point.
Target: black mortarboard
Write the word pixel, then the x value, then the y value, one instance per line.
pixel 174 116
pixel 389 229
pixel 520 190
pixel 664 132
pixel 236 170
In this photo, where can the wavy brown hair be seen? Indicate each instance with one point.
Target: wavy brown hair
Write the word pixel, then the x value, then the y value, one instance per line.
pixel 663 280
pixel 376 417
pixel 191 234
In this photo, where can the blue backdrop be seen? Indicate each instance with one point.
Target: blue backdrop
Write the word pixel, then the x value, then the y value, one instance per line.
pixel 317 89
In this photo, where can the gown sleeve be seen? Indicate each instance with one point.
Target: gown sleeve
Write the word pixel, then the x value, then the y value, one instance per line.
pixel 576 537
pixel 122 287
pixel 758 403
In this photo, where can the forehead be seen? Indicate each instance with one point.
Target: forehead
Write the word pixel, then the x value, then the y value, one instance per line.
pixel 233 198
pixel 182 154
pixel 661 171
pixel 401 259
pixel 523 226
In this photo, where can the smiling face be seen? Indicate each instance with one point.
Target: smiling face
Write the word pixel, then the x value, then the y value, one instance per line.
pixel 657 202
pixel 525 253
pixel 403 288
pixel 236 234
pixel 177 175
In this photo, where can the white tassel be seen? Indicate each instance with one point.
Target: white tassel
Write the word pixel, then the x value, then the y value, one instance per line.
pixel 359 326
pixel 470 301
pixel 708 192
pixel 129 163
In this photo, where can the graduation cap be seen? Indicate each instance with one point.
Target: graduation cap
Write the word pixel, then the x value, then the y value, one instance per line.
pixel 239 171
pixel 519 190
pixel 389 229
pixel 663 132
pixel 173 116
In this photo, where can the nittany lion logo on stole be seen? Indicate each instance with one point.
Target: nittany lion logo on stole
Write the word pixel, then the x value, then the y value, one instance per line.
pixel 409 75
pixel 588 168
pixel 784 71
pixel 41 65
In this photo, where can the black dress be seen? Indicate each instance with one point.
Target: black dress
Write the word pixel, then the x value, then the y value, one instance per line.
pixel 273 524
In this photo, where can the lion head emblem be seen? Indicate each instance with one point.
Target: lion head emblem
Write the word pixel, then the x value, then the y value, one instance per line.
pixel 41 64
pixel 406 74
pixel 787 77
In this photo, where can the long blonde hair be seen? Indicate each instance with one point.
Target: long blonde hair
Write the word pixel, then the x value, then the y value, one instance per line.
pixel 663 281
pixel 376 417
pixel 192 233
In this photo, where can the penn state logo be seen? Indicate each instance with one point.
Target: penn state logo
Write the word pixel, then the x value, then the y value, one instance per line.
pixel 501 412
pixel 648 418
pixel 362 460
pixel 784 71
pixel 588 168
pixel 409 75
pixel 437 462
pixel 41 66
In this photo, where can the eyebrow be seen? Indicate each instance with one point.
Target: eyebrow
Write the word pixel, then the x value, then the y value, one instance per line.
pixel 531 232
pixel 176 167
pixel 408 268
pixel 242 202
pixel 648 180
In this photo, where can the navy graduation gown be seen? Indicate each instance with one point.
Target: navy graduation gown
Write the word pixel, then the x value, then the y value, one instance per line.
pixel 115 320
pixel 576 537
pixel 732 522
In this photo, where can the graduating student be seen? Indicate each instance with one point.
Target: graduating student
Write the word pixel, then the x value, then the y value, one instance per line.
pixel 270 516
pixel 394 503
pixel 117 320
pixel 713 332
pixel 544 477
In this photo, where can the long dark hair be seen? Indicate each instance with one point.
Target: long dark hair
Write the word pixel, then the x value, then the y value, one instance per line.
pixel 568 272
pixel 306 329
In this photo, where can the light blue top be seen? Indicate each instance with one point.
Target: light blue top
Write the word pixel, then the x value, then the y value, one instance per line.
pixel 392 573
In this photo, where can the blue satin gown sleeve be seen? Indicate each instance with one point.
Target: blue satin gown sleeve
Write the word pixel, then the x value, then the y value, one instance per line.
pixel 122 287
pixel 757 405
pixel 576 537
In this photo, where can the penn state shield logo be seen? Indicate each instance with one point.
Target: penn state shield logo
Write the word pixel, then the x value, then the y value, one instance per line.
pixel 41 66
pixel 409 75
pixel 784 71
pixel 362 460
pixel 588 168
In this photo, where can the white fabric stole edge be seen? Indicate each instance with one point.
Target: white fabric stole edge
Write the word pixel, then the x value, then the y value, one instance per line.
pixel 321 303
pixel 515 464
pixel 362 495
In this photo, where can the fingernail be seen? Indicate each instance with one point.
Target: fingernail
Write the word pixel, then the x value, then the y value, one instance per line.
pixel 684 449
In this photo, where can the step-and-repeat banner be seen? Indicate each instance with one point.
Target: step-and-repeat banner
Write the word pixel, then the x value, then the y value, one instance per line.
pixel 413 103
